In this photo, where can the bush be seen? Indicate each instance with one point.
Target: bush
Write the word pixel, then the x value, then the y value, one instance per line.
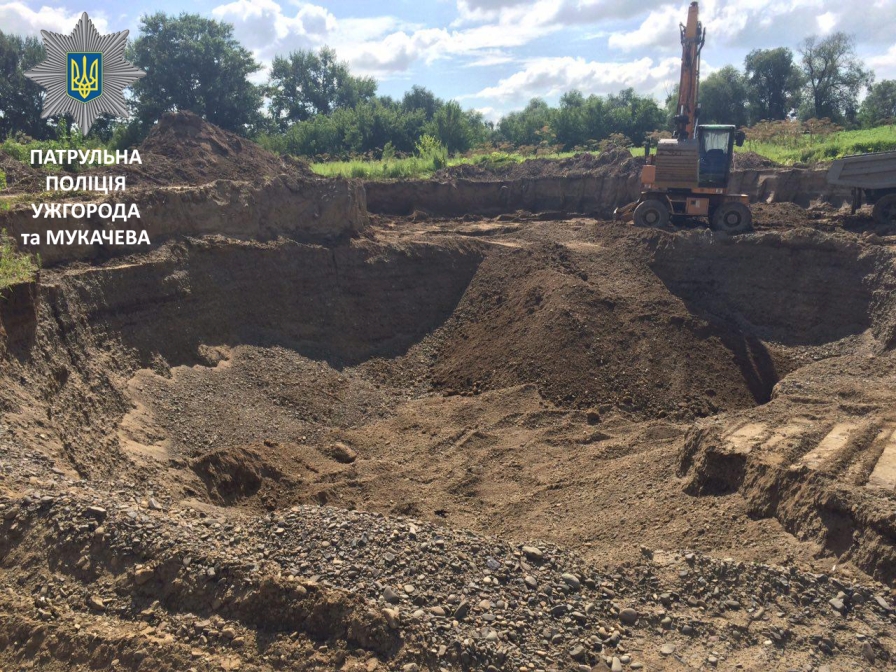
pixel 15 266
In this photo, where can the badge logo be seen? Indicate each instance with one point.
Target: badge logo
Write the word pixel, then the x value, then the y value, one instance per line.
pixel 84 74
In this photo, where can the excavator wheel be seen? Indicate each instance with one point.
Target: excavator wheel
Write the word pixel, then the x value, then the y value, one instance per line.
pixel 652 213
pixel 732 218
pixel 884 210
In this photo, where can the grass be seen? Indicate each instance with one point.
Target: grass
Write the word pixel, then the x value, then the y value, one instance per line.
pixel 806 149
pixel 417 167
pixel 15 266
pixel 787 151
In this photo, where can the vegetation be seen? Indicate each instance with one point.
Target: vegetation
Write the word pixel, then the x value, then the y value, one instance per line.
pixel 313 106
pixel 815 141
pixel 14 266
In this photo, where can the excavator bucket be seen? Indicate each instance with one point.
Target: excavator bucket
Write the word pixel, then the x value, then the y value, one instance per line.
pixel 625 213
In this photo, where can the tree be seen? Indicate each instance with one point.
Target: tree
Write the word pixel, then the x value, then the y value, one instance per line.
pixel 21 100
pixel 723 98
pixel 193 63
pixel 307 83
pixel 835 76
pixel 524 127
pixel 879 104
pixel 421 98
pixel 452 127
pixel 774 83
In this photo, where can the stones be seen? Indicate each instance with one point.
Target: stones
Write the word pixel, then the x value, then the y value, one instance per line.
pixel 530 582
pixel 572 581
pixel 667 649
pixel 393 618
pixel 342 453
pixel 615 665
pixel 628 616
pixel 578 654
pixel 96 603
pixel 837 605
pixel 390 596
pixel 462 610
pixel 95 512
pixel 533 553
pixel 143 575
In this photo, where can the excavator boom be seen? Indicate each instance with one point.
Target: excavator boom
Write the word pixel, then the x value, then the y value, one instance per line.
pixel 693 36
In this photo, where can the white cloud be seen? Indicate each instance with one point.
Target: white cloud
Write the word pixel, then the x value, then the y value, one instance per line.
pixel 263 27
pixel 547 77
pixel 884 65
pixel 826 22
pixel 17 18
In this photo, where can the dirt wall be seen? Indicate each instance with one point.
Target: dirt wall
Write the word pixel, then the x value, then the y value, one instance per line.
pixel 306 210
pixel 587 194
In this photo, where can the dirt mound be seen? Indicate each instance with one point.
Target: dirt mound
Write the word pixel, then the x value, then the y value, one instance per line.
pixel 185 149
pixel 613 162
pixel 20 177
pixel 752 161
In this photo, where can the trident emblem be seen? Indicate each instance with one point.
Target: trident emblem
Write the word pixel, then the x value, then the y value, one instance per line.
pixel 85 76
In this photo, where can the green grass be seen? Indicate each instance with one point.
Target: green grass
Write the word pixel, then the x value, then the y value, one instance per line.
pixel 802 149
pixel 416 167
pixel 805 149
pixel 15 266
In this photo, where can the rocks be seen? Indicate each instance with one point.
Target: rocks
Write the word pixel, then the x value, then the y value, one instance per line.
pixel 143 575
pixel 572 581
pixel 578 653
pixel 628 616
pixel 96 603
pixel 342 453
pixel 393 619
pixel 837 605
pixel 533 553
pixel 391 596
pixel 667 649
pixel 95 512
pixel 462 610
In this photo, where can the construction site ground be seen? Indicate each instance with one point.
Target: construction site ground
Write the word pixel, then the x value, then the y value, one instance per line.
pixel 529 441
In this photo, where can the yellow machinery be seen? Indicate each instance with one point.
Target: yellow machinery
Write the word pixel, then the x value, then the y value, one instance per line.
pixel 689 174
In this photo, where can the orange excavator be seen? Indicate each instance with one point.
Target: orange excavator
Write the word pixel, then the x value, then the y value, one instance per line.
pixel 689 174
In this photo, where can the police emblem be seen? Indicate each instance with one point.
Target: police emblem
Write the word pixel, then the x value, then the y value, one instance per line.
pixel 84 74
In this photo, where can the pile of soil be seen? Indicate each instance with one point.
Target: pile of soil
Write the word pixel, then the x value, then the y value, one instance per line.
pixel 20 177
pixel 752 161
pixel 183 148
pixel 613 162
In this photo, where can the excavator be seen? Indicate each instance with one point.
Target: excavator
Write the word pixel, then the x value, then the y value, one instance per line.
pixel 689 174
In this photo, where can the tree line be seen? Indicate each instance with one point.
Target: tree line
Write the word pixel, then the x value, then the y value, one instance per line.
pixel 312 105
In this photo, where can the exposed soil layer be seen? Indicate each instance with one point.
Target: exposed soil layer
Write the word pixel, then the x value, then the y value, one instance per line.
pixel 532 441
pixel 183 149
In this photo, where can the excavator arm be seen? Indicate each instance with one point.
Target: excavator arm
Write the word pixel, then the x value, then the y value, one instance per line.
pixel 693 35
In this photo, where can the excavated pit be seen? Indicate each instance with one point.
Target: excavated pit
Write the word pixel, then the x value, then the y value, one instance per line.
pixel 567 352
pixel 172 421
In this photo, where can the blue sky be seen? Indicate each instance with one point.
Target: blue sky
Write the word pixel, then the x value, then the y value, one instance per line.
pixel 494 55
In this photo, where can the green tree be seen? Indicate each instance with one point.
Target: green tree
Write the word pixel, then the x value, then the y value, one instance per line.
pixel 452 128
pixel 632 115
pixel 193 63
pixel 834 76
pixel 524 127
pixel 307 83
pixel 421 98
pixel 774 83
pixel 21 100
pixel 723 98
pixel 879 104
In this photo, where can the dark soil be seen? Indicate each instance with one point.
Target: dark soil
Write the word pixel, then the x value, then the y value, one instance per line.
pixel 614 162
pixel 184 149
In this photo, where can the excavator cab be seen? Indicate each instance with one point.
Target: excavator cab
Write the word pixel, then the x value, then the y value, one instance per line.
pixel 716 147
